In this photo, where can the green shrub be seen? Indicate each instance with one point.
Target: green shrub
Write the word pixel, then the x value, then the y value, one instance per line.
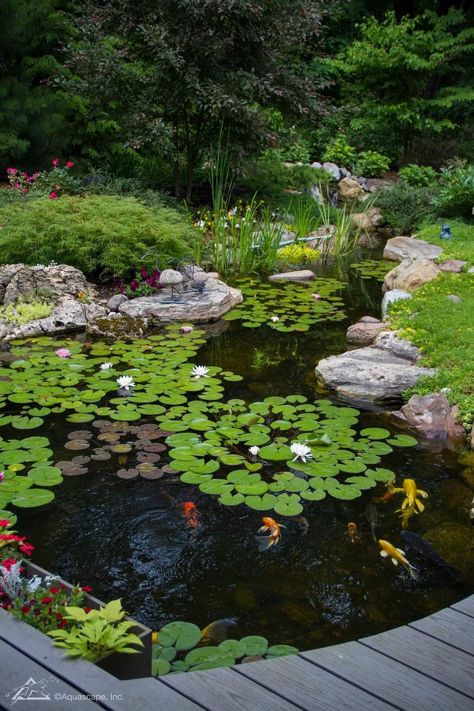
pixel 406 207
pixel 105 234
pixel 340 152
pixel 371 164
pixel 418 175
pixel 268 177
pixel 456 193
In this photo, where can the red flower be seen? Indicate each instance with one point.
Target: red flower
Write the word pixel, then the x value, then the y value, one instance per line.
pixel 54 590
pixel 63 623
pixel 69 164
pixel 86 588
pixel 25 609
pixel 8 563
pixel 87 609
pixel 4 522
pixel 27 548
pixel 53 195
pixel 46 600
pixel 55 162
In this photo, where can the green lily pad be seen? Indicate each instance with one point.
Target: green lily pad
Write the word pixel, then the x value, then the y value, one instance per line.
pixel 31 498
pixel 255 645
pixel 281 650
pixel 288 505
pixel 181 635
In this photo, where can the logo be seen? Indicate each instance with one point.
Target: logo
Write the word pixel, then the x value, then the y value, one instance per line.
pixel 31 690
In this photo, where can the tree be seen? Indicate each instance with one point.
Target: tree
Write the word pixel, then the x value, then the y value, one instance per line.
pixel 165 75
pixel 32 114
pixel 405 79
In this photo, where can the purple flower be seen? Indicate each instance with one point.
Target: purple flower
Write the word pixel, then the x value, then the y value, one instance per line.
pixel 134 285
pixel 144 273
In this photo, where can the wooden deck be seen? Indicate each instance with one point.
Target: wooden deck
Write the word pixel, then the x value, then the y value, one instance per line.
pixel 427 665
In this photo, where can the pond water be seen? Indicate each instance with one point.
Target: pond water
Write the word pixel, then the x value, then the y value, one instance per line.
pixel 132 538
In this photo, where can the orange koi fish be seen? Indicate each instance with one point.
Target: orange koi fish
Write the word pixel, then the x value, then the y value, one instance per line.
pixel 191 514
pixel 274 529
pixel 390 491
pixel 353 532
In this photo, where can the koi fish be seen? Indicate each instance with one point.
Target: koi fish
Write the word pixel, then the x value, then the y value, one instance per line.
pixel 191 514
pixel 390 491
pixel 411 504
pixel 217 631
pixel 352 532
pixel 397 556
pixel 373 519
pixel 274 529
pixel 303 524
pixel 415 542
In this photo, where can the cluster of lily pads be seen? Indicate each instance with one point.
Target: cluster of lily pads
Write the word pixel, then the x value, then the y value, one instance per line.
pixel 178 650
pixel 288 307
pixel 372 269
pixel 276 453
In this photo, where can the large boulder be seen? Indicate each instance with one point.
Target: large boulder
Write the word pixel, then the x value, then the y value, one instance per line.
pixel 364 332
pixel 297 275
pixel 391 296
pixel 216 299
pixel 374 375
pixel 432 416
pixel 349 189
pixel 369 221
pixel 332 169
pixel 411 274
pixel 399 248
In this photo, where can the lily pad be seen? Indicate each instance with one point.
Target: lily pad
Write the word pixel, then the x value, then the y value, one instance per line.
pixel 181 635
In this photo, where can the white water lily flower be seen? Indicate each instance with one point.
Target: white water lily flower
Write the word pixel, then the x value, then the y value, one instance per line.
pixel 125 382
pixel 200 371
pixel 106 366
pixel 275 319
pixel 301 451
pixel 254 451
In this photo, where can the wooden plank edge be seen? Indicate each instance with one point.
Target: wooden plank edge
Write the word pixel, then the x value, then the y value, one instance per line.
pixel 266 687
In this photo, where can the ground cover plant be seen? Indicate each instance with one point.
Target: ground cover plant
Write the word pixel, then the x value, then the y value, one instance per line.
pixel 459 246
pixel 444 332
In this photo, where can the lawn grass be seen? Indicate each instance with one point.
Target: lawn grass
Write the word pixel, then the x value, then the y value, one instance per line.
pixel 444 332
pixel 461 244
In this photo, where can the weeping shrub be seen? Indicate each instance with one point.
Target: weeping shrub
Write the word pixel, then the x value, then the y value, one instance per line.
pixel 102 234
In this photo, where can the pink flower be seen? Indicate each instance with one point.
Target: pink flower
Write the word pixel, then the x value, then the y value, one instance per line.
pixel 69 164
pixel 63 353
pixel 12 171
pixel 2 476
pixel 24 190
pixel 55 162
pixel 53 195
pixel 4 522
pixel 186 329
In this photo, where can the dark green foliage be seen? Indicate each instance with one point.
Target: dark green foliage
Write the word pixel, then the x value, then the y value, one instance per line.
pixel 418 175
pixel 406 207
pixel 371 164
pixel 97 233
pixel 456 193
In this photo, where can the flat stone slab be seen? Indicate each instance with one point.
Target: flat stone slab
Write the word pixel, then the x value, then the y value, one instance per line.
pixel 399 248
pixel 374 375
pixel 452 265
pixel 299 275
pixel 216 299
pixel 410 274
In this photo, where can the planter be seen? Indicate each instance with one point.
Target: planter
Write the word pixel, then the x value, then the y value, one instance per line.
pixel 123 666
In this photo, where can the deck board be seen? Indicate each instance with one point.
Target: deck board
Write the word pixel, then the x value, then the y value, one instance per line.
pixel 466 606
pixel 310 687
pixel 405 688
pixel 434 658
pixel 451 627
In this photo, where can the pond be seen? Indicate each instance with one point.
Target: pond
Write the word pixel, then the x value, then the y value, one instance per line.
pixel 170 550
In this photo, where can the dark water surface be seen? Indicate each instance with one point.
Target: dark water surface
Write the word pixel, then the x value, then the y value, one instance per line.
pixel 129 539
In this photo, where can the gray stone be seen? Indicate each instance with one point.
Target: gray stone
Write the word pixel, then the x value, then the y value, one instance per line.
pixel 349 189
pixel 298 275
pixel 432 416
pixel 316 194
pixel 374 184
pixel 470 270
pixel 369 375
pixel 316 164
pixel 391 296
pixel 410 275
pixel 216 299
pixel 452 265
pixel 362 181
pixel 399 347
pixel 346 173
pixel 369 319
pixel 332 169
pixel 364 333
pixel 399 248
pixel 454 298
pixel 115 301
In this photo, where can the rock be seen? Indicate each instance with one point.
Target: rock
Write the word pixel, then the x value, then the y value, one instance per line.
pixel 364 333
pixel 332 169
pixel 470 270
pixel 399 347
pixel 216 299
pixel 115 301
pixel 349 189
pixel 454 298
pixel 346 173
pixel 374 184
pixel 369 319
pixel 362 181
pixel 432 416
pixel 316 194
pixel 316 165
pixel 117 326
pixel 452 265
pixel 298 275
pixel 410 275
pixel 391 296
pixel 369 375
pixel 450 538
pixel 399 248
pixel 369 221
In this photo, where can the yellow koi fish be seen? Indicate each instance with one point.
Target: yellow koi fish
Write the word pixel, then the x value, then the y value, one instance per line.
pixel 397 556
pixel 411 504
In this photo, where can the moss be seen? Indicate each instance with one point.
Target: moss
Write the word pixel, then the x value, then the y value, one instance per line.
pixel 24 312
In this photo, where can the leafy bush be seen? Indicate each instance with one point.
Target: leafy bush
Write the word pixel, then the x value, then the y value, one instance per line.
pixel 456 194
pixel 98 233
pixel 297 254
pixel 371 164
pixel 406 207
pixel 268 177
pixel 340 152
pixel 418 175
